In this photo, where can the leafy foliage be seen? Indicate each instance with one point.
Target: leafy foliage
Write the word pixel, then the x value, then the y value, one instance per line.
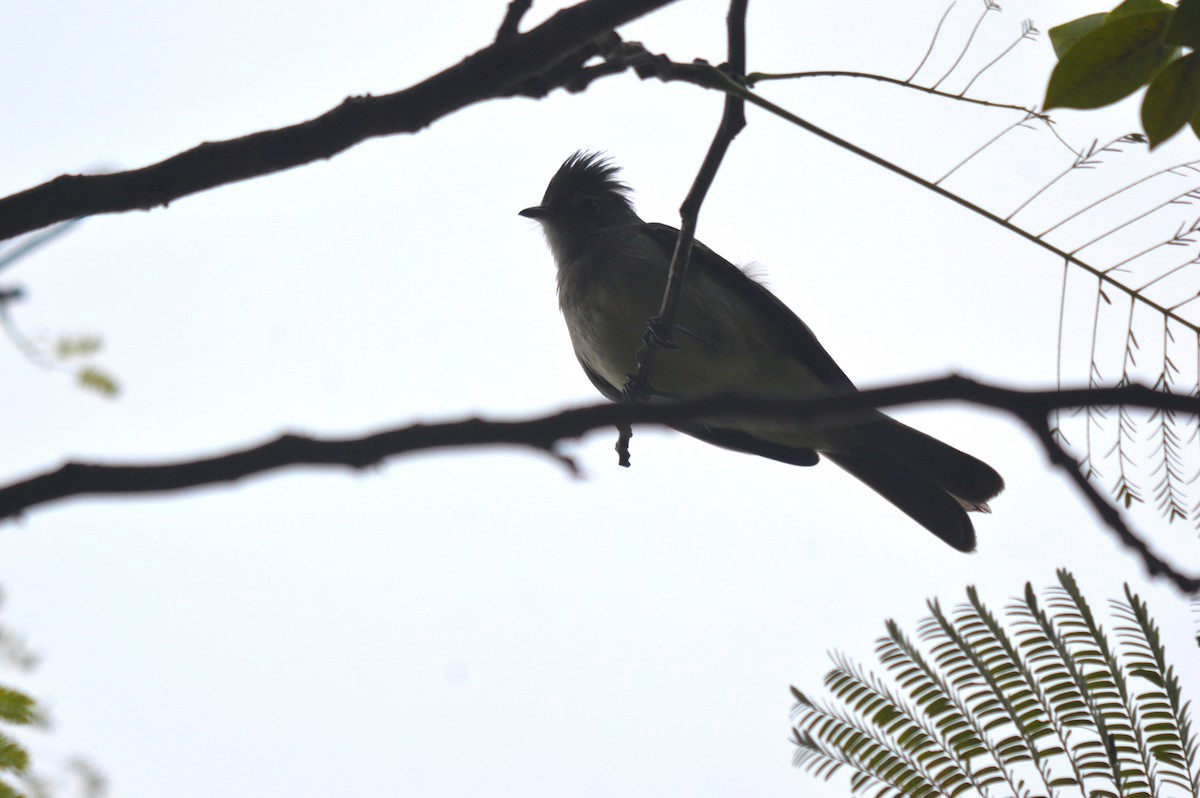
pixel 66 353
pixel 1048 706
pixel 1104 58
pixel 16 709
pixel 18 779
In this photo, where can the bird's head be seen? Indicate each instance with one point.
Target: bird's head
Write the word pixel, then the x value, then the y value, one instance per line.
pixel 583 200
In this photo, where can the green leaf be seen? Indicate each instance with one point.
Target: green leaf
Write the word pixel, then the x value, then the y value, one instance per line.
pixel 12 755
pixel 1109 63
pixel 94 379
pixel 1195 125
pixel 1068 34
pixel 1172 99
pixel 15 706
pixel 78 346
pixel 1131 7
pixel 1184 29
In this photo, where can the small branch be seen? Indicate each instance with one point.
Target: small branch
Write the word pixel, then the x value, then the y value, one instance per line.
pixel 1190 165
pixel 517 9
pixel 933 41
pixel 1028 31
pixel 981 148
pixel 526 64
pixel 1085 160
pixel 1054 132
pixel 546 433
pixel 988 6
pixel 758 77
pixel 1110 515
pixel 14 253
pixel 704 75
pixel 1058 370
pixel 662 326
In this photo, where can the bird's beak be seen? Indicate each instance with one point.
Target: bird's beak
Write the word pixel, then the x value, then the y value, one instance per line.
pixel 537 212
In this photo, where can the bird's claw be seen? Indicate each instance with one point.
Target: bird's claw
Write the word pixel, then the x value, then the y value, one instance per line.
pixel 658 335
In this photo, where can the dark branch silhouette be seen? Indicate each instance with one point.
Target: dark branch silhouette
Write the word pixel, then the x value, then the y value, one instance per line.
pixel 545 434
pixel 661 328
pixel 528 64
pixel 517 9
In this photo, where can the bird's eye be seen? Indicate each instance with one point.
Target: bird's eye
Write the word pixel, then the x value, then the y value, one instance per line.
pixel 589 206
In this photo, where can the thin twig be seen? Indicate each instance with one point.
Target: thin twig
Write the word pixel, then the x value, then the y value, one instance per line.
pixel 758 77
pixel 661 327
pixel 1179 239
pixel 1028 31
pixel 983 147
pixel 1054 131
pixel 26 347
pixel 1083 161
pixel 14 253
pixel 1168 273
pixel 1058 372
pixel 1190 194
pixel 1169 170
pixel 1124 491
pixel 1094 381
pixel 933 41
pixel 715 79
pixel 988 6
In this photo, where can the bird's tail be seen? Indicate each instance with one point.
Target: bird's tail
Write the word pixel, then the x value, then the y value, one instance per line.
pixel 932 482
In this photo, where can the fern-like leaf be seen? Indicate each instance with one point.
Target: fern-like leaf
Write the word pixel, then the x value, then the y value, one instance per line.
pixel 1160 703
pixel 994 712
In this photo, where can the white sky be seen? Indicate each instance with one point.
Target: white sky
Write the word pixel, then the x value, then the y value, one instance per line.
pixel 472 623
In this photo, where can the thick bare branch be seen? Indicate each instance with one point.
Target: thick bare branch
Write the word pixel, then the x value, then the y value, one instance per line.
pixel 515 64
pixel 546 433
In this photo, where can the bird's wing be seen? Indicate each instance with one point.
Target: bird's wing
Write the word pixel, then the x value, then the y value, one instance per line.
pixel 740 441
pixel 794 336
pixel 610 391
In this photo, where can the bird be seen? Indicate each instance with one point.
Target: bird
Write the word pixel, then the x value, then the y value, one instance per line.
pixel 732 336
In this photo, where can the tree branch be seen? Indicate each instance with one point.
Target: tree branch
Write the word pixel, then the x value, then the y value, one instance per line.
pixel 516 63
pixel 517 9
pixel 710 77
pixel 757 77
pixel 661 328
pixel 545 434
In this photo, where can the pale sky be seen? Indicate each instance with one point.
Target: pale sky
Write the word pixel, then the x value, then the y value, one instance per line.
pixel 478 622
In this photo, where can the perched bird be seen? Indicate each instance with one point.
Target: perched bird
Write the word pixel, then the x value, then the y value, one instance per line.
pixel 732 336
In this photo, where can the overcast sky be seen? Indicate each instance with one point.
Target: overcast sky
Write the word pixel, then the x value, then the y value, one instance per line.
pixel 481 623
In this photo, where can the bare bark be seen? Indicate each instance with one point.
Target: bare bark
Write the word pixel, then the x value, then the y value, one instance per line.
pixel 529 64
pixel 545 434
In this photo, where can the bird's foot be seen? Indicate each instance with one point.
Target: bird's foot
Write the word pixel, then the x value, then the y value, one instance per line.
pixel 658 334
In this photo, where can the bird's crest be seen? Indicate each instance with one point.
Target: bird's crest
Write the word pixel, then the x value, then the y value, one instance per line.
pixel 586 173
